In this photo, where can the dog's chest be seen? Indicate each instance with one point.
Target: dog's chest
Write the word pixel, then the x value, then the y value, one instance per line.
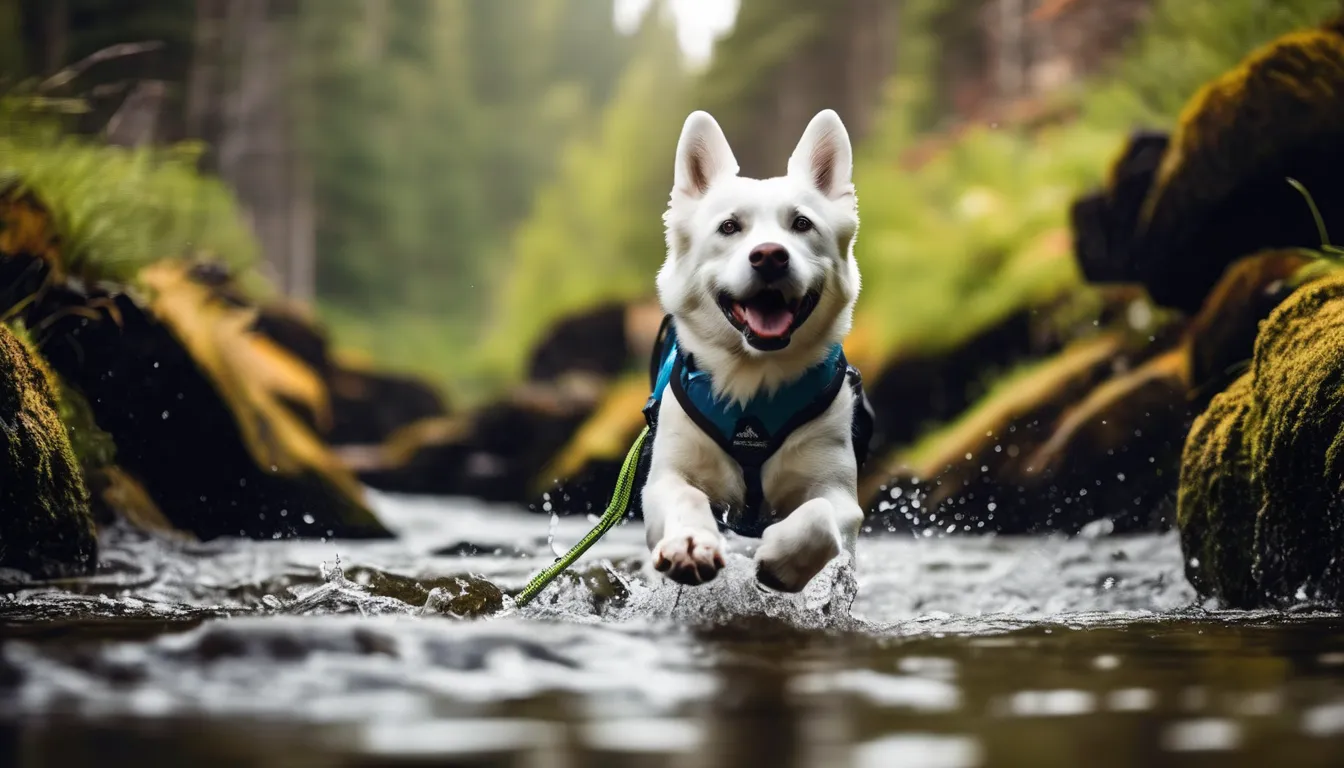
pixel 750 480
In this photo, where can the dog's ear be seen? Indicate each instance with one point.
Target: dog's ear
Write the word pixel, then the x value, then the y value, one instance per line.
pixel 824 157
pixel 703 155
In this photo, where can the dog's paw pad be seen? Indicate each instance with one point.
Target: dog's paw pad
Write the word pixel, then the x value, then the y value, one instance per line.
pixel 689 557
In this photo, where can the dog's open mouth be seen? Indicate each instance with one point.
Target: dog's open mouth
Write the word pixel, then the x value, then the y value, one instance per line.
pixel 767 319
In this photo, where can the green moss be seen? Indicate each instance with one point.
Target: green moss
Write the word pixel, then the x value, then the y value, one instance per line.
pixel 1297 442
pixel 1261 504
pixel 45 525
pixel 1216 505
pixel 1220 192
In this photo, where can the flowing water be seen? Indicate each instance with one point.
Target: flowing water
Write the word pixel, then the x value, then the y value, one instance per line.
pixel 955 652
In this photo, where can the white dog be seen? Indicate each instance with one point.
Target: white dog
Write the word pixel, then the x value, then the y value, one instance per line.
pixel 764 433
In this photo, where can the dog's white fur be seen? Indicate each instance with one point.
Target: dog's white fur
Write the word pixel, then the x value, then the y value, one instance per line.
pixel 811 481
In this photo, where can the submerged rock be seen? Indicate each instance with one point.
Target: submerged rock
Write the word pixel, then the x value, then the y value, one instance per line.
pixel 46 529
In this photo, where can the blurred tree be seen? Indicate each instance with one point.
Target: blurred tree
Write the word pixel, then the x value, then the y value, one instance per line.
pixel 429 125
pixel 57 33
pixel 595 231
pixel 787 59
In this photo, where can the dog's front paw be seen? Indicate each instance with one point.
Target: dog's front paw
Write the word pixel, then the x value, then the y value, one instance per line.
pixel 795 549
pixel 689 557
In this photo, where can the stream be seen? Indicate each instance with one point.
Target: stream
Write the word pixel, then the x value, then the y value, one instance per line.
pixel 955 651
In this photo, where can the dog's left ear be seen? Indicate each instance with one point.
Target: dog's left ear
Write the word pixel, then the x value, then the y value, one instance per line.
pixel 824 157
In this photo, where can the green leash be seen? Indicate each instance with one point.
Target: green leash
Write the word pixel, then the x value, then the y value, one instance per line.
pixel 620 502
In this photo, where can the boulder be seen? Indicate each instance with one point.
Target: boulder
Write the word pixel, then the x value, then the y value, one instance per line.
pixel 1220 192
pixel 203 409
pixel 1261 504
pixel 46 529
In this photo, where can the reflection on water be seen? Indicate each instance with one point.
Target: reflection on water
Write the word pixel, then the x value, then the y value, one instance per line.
pixel 956 652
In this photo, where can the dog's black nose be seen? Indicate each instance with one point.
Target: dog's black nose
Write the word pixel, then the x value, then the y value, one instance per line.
pixel 770 261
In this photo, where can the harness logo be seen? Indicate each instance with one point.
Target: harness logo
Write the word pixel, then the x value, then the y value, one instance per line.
pixel 748 437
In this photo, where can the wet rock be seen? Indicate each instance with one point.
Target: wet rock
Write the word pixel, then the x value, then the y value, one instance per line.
pixel 461 596
pixel 974 475
pixel 1115 454
pixel 200 408
pixel 1268 451
pixel 1297 387
pixel 367 406
pixel 914 391
pixel 1105 222
pixel 497 453
pixel 46 529
pixel 1217 503
pixel 1222 336
pixel 1220 192
pixel 567 421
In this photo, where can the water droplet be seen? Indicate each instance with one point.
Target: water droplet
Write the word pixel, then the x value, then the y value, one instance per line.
pixel 308 519
pixel 165 415
pixel 550 536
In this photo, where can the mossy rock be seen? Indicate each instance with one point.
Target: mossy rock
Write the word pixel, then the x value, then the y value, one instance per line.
pixel 201 408
pixel 46 529
pixel 1217 502
pixel 1105 222
pixel 1261 505
pixel 1297 443
pixel 1222 336
pixel 1116 454
pixel 1221 193
pixel 974 474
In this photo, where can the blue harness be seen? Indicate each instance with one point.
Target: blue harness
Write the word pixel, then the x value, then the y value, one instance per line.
pixel 749 433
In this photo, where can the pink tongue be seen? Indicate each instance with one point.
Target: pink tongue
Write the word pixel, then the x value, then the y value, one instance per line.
pixel 771 323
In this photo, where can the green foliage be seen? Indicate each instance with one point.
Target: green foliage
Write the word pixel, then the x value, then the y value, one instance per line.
pixel 429 126
pixel 975 233
pixel 1186 44
pixel 117 209
pixel 595 232
pixel 979 230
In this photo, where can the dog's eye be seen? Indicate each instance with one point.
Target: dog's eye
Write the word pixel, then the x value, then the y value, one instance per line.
pixel 802 224
pixel 729 227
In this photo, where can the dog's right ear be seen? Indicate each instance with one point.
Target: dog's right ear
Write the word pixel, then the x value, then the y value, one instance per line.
pixel 703 156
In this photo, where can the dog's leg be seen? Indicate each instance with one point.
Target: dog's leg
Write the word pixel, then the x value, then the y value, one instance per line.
pixel 681 531
pixel 796 548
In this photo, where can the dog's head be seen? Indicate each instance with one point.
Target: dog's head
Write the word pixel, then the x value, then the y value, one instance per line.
pixel 761 270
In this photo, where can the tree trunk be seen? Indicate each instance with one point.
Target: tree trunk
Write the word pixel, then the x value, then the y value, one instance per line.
pixel 238 102
pixel 57 34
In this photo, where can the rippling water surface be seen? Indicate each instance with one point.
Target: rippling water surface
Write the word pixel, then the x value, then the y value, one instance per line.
pixel 955 652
